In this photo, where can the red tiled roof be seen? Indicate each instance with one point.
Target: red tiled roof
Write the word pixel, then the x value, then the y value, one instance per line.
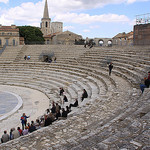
pixel 50 35
pixel 8 28
pixel 21 38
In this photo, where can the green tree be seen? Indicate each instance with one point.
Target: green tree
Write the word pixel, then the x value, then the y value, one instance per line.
pixel 32 35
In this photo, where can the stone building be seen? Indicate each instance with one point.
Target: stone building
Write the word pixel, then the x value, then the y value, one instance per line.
pixel 48 27
pixel 142 34
pixel 123 39
pixel 66 38
pixel 53 31
pixel 103 41
pixel 9 35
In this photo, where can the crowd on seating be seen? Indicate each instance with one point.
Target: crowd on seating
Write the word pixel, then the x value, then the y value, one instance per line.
pixel 51 115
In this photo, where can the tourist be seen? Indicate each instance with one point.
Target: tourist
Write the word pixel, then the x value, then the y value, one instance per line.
pixel 25 131
pixel 85 43
pixel 68 109
pixel 32 127
pixel 37 124
pixel 50 60
pixel 20 131
pixel 28 125
pixel 15 134
pixel 5 137
pixel 75 104
pixel 10 136
pixel 58 107
pixel 58 114
pixel 47 111
pixel 25 57
pixel 91 45
pixel 53 109
pixel 84 95
pixel 145 85
pixel 65 99
pixel 148 75
pixel 61 91
pixel 24 120
pixel 64 113
pixel 48 121
pixel 110 67
pixel 28 57
pixel 52 117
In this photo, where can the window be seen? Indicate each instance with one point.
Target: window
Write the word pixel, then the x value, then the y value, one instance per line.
pixel 46 25
pixel 14 42
pixel 0 42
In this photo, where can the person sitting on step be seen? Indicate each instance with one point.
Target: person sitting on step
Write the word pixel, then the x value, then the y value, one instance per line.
pixel 84 95
pixel 74 105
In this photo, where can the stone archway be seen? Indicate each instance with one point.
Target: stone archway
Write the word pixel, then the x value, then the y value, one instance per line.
pixel 109 42
pixel 101 42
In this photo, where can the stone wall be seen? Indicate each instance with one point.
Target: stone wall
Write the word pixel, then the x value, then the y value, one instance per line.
pixel 142 34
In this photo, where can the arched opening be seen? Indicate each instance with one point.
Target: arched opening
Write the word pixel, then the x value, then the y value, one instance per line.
pixel 14 42
pixel 6 42
pixel 110 43
pixel 101 42
pixel 48 42
pixel 46 24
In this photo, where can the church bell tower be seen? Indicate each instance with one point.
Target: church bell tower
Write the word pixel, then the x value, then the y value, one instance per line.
pixel 46 21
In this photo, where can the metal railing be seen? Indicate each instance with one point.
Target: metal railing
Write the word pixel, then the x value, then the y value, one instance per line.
pixel 143 19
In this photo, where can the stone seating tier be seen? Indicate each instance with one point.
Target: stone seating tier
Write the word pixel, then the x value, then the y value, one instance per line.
pixel 109 119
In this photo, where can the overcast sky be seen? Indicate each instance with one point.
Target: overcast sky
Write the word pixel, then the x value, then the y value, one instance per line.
pixel 89 18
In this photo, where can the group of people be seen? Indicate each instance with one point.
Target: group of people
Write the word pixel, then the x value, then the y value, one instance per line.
pixel 51 115
pixel 27 57
pixel 89 44
pixel 146 83
pixel 43 121
pixel 17 132
pixel 142 86
pixel 49 59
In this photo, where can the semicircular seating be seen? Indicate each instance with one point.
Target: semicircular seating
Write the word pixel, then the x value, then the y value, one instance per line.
pixel 115 108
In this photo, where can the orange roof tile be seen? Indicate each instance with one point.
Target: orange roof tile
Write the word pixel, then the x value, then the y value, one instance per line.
pixel 8 28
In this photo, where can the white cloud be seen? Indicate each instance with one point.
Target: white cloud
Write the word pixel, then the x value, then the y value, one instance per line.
pixel 30 13
pixel 61 10
pixel 87 19
pixel 132 1
pixel 68 27
pixel 94 27
pixel 86 30
pixel 70 5
pixel 4 21
pixel 27 12
pixel 4 1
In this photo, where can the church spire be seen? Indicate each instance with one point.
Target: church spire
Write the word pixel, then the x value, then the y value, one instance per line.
pixel 46 14
pixel 46 21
